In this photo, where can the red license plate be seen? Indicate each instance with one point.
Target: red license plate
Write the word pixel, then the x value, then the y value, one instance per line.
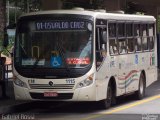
pixel 50 94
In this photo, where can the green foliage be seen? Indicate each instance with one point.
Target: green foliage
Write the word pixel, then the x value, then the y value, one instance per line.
pixel 18 7
pixel 9 47
pixel 7 50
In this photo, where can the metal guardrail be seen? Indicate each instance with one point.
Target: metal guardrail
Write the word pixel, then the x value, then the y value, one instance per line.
pixel 5 70
pixel 2 68
pixel 3 80
pixel 8 70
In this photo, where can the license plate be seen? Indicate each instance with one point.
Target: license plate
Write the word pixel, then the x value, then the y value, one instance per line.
pixel 50 94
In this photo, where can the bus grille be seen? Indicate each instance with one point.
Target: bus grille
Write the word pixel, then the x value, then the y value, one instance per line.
pixel 55 86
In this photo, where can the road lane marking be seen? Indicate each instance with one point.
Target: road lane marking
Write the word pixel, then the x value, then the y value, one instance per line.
pixel 114 110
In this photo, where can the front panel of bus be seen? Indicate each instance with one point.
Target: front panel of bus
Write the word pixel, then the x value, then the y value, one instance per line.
pixel 52 55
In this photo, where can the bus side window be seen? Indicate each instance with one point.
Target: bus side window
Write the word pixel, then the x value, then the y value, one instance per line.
pixel 112 38
pixel 131 45
pixel 122 46
pixel 122 37
pixel 138 40
pixel 151 36
pixel 113 47
pixel 145 40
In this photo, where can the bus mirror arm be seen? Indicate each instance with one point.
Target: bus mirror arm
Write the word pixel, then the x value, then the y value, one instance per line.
pixel 5 40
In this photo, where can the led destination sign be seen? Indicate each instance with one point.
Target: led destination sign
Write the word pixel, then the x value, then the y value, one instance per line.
pixel 60 25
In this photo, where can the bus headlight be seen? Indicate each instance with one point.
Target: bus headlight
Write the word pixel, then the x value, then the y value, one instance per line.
pixel 20 83
pixel 85 82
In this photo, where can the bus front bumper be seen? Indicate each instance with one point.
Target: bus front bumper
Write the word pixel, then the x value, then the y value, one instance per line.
pixel 80 94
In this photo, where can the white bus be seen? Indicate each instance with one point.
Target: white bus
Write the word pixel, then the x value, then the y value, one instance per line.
pixel 79 55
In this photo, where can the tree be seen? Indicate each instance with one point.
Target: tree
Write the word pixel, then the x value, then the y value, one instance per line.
pixel 2 15
pixel 18 7
pixel 87 4
pixel 27 5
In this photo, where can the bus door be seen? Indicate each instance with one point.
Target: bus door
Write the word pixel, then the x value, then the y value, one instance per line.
pixel 122 57
pixel 101 40
pixel 117 55
pixel 101 52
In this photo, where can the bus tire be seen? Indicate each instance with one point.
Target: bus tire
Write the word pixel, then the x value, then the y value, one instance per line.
pixel 106 103
pixel 141 88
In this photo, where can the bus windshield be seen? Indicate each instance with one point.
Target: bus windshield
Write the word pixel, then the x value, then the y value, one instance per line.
pixel 54 44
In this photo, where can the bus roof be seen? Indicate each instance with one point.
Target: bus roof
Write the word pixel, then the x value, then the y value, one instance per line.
pixel 96 14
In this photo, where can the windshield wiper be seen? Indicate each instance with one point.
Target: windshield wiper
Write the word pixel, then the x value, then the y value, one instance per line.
pixel 23 49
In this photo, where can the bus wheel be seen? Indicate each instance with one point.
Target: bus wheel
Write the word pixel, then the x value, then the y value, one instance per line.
pixel 106 103
pixel 141 89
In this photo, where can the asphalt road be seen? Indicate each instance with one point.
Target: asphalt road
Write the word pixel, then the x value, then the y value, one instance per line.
pixel 127 108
